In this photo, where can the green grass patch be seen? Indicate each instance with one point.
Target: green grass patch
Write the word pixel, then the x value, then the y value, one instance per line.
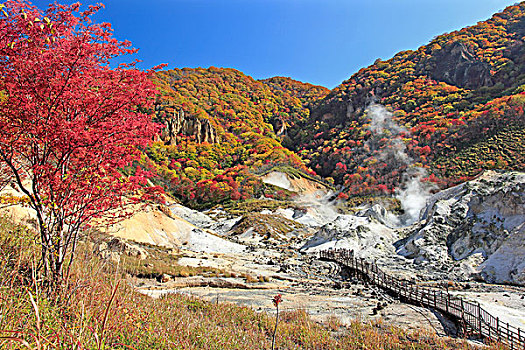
pixel 256 206
pixel 266 225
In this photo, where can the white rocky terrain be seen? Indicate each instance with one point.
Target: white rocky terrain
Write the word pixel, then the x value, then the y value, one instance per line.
pixel 475 230
pixel 472 232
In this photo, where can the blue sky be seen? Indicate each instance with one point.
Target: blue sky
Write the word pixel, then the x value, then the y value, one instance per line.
pixel 317 41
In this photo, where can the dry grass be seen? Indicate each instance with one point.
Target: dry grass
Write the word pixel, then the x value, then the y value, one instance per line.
pixel 159 264
pixel 160 261
pixel 100 311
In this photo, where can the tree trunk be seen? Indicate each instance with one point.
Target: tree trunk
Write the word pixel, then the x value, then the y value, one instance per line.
pixel 53 254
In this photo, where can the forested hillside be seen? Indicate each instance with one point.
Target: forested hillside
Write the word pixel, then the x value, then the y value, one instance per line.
pixel 456 103
pixel 222 128
pixel 443 112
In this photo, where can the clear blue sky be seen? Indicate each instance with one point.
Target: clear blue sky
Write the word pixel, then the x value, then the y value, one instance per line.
pixel 317 41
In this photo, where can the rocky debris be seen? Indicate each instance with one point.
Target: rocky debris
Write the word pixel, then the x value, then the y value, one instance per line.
pixel 381 215
pixel 366 237
pixel 455 64
pixel 194 217
pixel 164 278
pixel 380 306
pixel 128 248
pixel 113 250
pixel 296 183
pixel 476 230
pixel 222 222
pixel 188 125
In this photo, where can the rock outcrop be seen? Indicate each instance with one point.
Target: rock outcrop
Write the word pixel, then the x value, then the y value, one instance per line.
pixel 478 227
pixel 152 226
pixel 364 235
pixel 456 65
pixel 188 125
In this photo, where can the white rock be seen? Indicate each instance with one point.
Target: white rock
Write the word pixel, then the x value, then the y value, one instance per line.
pixel 484 219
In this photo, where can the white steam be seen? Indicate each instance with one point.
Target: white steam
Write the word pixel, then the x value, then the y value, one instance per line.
pixel 383 126
pixel 381 120
pixel 413 192
pixel 319 209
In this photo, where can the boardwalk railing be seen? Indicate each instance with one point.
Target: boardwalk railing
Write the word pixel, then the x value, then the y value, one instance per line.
pixel 475 319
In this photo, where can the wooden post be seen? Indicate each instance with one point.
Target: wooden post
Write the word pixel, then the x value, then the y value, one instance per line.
pixel 463 314
pixel 490 326
pixel 511 341
pixel 497 328
pixel 480 324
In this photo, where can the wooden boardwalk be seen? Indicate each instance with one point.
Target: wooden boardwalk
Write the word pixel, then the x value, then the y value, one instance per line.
pixel 474 319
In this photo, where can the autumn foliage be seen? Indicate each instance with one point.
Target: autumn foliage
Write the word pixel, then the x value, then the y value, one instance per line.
pixel 250 119
pixel 68 121
pixel 454 120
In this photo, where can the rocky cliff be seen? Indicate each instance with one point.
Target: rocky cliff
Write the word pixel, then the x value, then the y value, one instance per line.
pixel 188 125
pixel 457 65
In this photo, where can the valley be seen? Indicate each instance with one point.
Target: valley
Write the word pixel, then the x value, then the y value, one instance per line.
pixel 186 208
pixel 259 258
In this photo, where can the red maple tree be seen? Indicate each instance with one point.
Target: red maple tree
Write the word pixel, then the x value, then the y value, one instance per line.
pixel 69 122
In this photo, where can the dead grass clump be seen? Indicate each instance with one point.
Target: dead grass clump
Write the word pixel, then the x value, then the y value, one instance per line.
pixel 250 279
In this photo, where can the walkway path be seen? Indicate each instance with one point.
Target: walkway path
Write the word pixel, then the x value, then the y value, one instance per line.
pixel 475 319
